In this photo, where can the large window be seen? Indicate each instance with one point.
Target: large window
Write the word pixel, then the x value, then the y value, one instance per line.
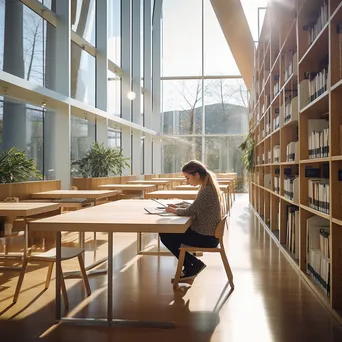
pixel 82 75
pixel 204 118
pixel 182 40
pixel 23 33
pixel 21 126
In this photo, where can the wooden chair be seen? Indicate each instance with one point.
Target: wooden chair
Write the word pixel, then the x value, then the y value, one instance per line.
pixel 219 249
pixel 50 257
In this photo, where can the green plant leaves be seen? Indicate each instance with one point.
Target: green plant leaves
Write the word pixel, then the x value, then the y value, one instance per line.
pixel 247 148
pixel 101 161
pixel 16 167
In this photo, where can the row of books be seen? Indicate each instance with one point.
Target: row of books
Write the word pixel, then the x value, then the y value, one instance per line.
pixel 315 27
pixel 291 109
pixel 319 194
pixel 292 151
pixel 291 66
pixel 318 251
pixel 276 154
pixel 291 188
pixel 317 83
pixel 292 230
pixel 276 87
pixel 318 138
pixel 276 121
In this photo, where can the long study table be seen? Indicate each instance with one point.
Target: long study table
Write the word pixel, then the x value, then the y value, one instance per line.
pixel 125 216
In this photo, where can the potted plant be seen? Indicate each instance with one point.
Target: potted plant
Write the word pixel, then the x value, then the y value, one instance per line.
pixel 101 161
pixel 247 148
pixel 16 167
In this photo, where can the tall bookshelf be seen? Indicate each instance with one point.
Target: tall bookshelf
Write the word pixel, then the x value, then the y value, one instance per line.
pixel 296 119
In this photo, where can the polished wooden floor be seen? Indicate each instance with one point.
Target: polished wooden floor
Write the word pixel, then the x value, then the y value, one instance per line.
pixel 271 302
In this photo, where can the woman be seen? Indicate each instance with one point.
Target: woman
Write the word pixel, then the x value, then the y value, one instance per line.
pixel 206 211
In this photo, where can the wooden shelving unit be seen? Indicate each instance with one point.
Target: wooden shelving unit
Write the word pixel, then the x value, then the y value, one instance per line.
pixel 300 47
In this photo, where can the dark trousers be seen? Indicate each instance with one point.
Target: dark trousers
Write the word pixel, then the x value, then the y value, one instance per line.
pixel 190 238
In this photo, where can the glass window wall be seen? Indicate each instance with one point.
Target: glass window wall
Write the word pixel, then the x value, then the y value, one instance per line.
pixel 182 39
pixel 83 19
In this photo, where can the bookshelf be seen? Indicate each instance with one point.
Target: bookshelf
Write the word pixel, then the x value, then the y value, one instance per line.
pixel 296 118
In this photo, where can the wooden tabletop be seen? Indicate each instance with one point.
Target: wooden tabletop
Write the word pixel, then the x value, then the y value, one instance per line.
pixel 171 179
pixel 136 187
pixel 119 216
pixel 26 208
pixel 90 194
pixel 150 181
pixel 165 194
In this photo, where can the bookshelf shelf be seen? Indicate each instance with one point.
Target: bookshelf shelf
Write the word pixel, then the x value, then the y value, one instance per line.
pixel 316 212
pixel 317 45
pixel 314 160
pixel 318 105
pixel 301 52
pixel 289 201
pixel 336 221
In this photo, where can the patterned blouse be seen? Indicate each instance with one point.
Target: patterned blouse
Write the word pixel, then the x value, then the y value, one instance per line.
pixel 205 210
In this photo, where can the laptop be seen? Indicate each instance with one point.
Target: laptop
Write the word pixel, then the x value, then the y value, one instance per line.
pixel 160 212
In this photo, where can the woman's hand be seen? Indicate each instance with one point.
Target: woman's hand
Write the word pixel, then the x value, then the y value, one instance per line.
pixel 171 208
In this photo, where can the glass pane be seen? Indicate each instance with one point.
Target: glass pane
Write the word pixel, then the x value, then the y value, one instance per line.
pixel 82 137
pixel 83 19
pixel 182 99
pixel 82 75
pixel 23 32
pixel 226 109
pixel 222 154
pixel 178 151
pixel 21 126
pixel 114 94
pixel 218 59
pixel 114 138
pixel 114 31
pixel 182 43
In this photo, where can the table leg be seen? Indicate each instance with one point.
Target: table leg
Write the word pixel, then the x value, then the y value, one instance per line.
pixel 110 279
pixel 58 275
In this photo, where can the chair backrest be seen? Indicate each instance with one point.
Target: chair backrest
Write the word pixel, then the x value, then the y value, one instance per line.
pixel 220 227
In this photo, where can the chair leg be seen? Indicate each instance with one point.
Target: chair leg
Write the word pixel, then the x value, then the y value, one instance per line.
pixel 179 268
pixel 20 280
pixel 48 276
pixel 64 291
pixel 227 267
pixel 84 275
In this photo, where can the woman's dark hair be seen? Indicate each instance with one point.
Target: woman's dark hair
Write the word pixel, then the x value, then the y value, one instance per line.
pixel 207 177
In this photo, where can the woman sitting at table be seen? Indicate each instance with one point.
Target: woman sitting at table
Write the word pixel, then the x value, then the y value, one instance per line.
pixel 206 211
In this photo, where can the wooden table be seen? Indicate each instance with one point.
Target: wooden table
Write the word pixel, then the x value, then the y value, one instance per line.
pixel 125 216
pixel 88 194
pixel 167 194
pixel 143 188
pixel 13 210
pixel 163 183
pixel 93 195
pixel 172 180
